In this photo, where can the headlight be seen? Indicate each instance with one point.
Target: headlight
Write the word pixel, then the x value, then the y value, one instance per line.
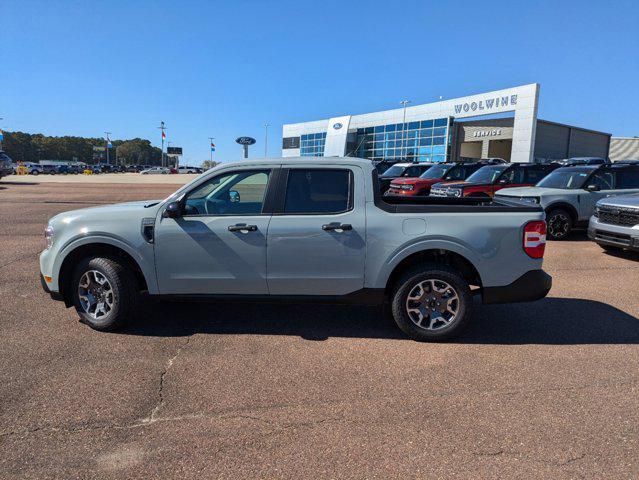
pixel 530 199
pixel 455 192
pixel 597 210
pixel 48 236
pixel 406 187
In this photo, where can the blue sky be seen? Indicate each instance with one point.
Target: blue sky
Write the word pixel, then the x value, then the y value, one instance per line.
pixel 224 68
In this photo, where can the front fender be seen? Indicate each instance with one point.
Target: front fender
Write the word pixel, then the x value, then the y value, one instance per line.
pixel 145 262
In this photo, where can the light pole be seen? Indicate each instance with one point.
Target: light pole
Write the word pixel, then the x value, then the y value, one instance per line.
pixel 107 145
pixel 404 103
pixel 266 125
pixel 1 135
pixel 162 128
pixel 211 148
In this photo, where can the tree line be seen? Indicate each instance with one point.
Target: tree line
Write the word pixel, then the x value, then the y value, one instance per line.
pixel 27 147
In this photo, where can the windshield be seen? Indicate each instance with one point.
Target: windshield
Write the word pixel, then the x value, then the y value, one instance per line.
pixel 570 179
pixel 394 171
pixel 436 171
pixel 487 174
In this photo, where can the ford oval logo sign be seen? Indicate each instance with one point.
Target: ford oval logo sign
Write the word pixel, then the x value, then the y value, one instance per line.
pixel 337 126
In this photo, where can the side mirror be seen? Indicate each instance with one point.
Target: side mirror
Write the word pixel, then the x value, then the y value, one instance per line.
pixel 593 188
pixel 234 196
pixel 173 210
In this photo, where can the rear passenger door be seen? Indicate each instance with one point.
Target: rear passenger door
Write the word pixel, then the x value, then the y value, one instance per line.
pixel 316 234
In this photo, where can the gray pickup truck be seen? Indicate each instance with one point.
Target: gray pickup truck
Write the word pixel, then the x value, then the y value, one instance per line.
pixel 298 229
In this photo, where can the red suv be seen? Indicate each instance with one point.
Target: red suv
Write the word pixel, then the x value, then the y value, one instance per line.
pixel 491 178
pixel 444 172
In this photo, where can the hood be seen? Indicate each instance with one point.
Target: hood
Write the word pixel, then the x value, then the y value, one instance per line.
pixel 113 212
pixel 621 201
pixel 407 180
pixel 533 191
pixel 458 184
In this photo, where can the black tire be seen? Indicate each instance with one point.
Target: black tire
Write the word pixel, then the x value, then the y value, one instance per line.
pixel 35 172
pixel 123 285
pixel 559 223
pixel 431 271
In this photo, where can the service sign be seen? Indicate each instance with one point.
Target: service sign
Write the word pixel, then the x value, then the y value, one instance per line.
pixel 174 150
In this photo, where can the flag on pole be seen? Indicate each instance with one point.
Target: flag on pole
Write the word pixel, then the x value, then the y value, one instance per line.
pixel 212 147
pixel 163 135
pixel 2 136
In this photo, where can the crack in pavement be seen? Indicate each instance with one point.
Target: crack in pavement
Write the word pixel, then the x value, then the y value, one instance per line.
pixel 153 416
pixel 529 458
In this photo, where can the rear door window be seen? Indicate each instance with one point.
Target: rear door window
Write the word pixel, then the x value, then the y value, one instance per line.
pixel 627 179
pixel 318 191
pixel 534 175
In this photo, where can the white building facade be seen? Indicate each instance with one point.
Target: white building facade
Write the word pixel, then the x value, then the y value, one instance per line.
pixel 418 133
pixel 448 131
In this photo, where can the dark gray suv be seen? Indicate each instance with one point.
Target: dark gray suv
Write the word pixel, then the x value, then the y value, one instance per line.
pixel 6 165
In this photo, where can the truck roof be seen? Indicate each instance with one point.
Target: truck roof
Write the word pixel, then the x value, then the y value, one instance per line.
pixel 305 160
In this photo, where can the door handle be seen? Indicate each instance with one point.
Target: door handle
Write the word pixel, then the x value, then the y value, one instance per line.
pixel 337 226
pixel 242 228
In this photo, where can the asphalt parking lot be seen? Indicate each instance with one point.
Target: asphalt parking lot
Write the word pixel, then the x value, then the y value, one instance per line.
pixel 545 389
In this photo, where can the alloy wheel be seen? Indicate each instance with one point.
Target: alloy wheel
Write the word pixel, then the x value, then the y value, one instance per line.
pixel 432 304
pixel 96 294
pixel 558 225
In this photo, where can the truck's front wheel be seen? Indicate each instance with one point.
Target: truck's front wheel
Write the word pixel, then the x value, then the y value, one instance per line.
pixel 104 293
pixel 431 303
pixel 559 224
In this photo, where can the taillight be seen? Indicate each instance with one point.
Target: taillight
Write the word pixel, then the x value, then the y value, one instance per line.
pixel 535 238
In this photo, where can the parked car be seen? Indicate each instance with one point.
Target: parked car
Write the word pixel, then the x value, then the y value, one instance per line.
pixel 155 171
pixel 492 178
pixel 574 161
pixel 401 170
pixel 33 168
pixel 569 194
pixel 188 169
pixel 443 172
pixel 6 165
pixel 615 223
pixel 240 230
pixel 627 161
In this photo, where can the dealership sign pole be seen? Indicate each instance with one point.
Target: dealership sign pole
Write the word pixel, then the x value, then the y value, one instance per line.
pixel 245 142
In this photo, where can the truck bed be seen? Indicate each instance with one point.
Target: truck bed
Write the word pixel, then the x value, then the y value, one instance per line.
pixel 404 204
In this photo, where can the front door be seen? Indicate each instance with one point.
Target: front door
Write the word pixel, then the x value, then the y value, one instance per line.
pixel 605 180
pixel 218 245
pixel 316 239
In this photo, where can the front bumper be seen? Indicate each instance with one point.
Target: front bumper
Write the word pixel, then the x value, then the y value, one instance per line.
pixel 613 235
pixel 531 286
pixel 45 287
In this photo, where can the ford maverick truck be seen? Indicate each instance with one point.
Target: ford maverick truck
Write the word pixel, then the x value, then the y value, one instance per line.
pixel 298 229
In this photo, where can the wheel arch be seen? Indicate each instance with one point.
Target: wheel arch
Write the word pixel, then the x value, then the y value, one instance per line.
pixel 565 206
pixel 95 249
pixel 440 256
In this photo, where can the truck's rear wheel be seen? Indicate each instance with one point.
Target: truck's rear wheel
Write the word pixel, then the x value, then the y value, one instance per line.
pixel 431 303
pixel 559 224
pixel 105 293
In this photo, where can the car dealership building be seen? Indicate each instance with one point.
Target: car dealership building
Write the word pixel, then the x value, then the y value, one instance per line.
pixel 449 130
